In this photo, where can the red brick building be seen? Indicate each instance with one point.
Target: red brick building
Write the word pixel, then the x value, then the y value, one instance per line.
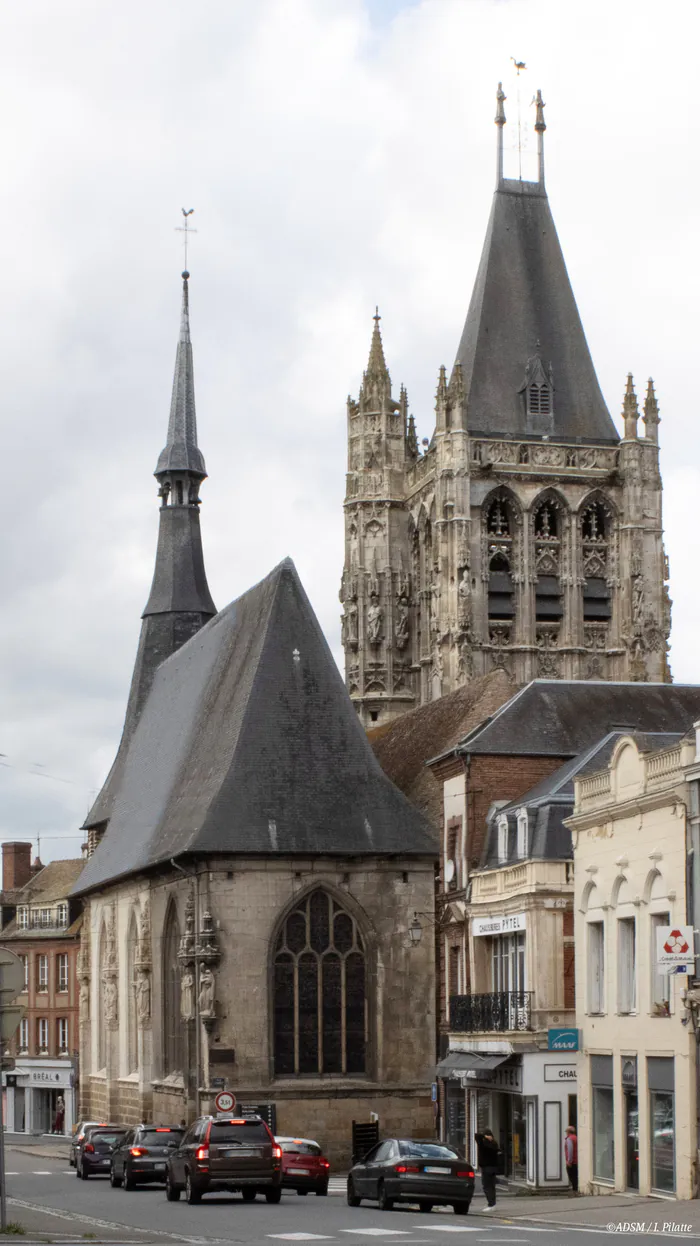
pixel 41 924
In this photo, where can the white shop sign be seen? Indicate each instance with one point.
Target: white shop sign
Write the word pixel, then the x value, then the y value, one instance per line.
pixel 50 1078
pixel 498 925
pixel 560 1072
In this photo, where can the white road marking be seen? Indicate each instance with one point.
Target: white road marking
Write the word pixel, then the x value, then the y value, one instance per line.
pixel 40 1172
pixel 380 1232
pixel 301 1237
pixel 449 1228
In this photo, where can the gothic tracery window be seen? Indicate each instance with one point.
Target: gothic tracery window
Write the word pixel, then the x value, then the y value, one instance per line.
pixel 595 553
pixel 173 1049
pixel 102 1021
pixel 499 538
pixel 320 991
pixel 547 556
pixel 131 1024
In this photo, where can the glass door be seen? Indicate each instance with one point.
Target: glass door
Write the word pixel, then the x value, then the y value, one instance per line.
pixel 631 1140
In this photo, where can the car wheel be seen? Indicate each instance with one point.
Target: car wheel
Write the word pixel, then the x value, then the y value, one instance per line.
pixel 128 1182
pixel 322 1190
pixel 82 1173
pixel 424 1206
pixel 353 1200
pixel 114 1180
pixel 172 1192
pixel 192 1193
pixel 462 1209
pixel 249 1195
pixel 273 1196
pixel 385 1203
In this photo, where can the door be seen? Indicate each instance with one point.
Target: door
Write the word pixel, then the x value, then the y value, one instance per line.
pixel 184 1154
pixel 122 1151
pixel 361 1177
pixel 631 1139
pixel 375 1169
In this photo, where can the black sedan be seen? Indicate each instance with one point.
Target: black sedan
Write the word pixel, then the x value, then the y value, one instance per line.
pixel 94 1153
pixel 399 1170
pixel 141 1155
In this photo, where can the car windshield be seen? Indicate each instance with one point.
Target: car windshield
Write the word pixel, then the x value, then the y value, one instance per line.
pixel 300 1148
pixel 102 1142
pixel 247 1133
pixel 160 1137
pixel 427 1150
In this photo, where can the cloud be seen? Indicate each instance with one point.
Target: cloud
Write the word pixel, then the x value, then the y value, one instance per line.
pixel 337 155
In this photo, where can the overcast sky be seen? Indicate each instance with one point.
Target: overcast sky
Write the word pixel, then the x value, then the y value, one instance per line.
pixel 338 153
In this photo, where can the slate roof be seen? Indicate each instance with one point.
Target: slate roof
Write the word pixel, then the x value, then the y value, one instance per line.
pixel 249 744
pixel 53 882
pixel 551 801
pixel 181 452
pixel 561 718
pixel 522 297
pixel 403 744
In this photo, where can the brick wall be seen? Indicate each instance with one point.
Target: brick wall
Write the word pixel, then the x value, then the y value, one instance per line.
pixel 498 777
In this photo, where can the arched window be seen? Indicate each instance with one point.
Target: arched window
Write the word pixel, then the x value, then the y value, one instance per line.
pixel 523 835
pixel 102 1024
pixel 320 991
pixel 500 588
pixel 132 1055
pixel 595 527
pixel 502 839
pixel 547 534
pixel 539 399
pixel 173 1049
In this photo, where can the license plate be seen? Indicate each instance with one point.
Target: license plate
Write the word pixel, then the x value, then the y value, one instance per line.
pixel 301 1172
pixel 440 1170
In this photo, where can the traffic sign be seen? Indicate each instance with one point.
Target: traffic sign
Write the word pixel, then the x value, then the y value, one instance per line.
pixel 225 1101
pixel 11 976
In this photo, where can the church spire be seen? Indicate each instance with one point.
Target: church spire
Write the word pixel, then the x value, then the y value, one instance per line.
pixel 376 382
pixel 179 603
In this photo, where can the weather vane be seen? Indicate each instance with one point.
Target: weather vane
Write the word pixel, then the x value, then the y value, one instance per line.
pixel 518 66
pixel 186 229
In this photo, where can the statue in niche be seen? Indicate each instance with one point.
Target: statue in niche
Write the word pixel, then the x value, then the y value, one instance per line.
pixel 110 1001
pixel 374 621
pixel 84 1004
pixel 187 995
pixel 143 997
pixel 206 992
pixel 637 600
pixel 464 594
pixel 401 633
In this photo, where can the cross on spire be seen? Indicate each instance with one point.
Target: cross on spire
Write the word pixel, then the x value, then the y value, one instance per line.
pixel 186 229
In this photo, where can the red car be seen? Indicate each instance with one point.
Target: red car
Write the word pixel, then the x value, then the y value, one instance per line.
pixel 304 1166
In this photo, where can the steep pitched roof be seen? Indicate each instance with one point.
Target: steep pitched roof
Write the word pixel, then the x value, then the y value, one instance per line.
pixel 561 718
pixel 523 306
pixel 54 882
pixel 403 744
pixel 249 744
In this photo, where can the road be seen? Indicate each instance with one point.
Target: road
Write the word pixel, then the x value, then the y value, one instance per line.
pixel 93 1209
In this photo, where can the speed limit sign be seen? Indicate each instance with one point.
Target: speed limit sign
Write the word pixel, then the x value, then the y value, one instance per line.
pixel 225 1101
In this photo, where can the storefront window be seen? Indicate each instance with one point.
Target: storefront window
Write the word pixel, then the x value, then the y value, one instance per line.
pixel 662 1119
pixel 631 1107
pixel 603 1118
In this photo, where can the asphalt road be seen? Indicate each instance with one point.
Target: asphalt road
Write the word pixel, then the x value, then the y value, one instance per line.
pixel 88 1209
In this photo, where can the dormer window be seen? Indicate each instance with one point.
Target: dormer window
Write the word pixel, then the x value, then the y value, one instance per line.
pixel 62 914
pixel 539 400
pixel 523 835
pixel 538 394
pixel 22 917
pixel 502 839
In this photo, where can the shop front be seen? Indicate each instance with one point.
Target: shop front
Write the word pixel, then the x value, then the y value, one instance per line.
pixel 37 1093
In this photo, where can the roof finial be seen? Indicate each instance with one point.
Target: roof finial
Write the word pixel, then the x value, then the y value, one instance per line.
pixel 540 126
pixel 186 229
pixel 500 122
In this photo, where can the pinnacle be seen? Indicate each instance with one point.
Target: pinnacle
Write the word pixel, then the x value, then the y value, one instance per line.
pixel 629 402
pixel 651 406
pixel 376 366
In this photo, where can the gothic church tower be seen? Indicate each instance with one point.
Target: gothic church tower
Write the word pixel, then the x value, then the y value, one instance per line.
pixel 529 535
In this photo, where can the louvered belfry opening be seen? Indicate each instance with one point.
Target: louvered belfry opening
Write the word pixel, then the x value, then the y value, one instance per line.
pixel 499 534
pixel 595 543
pixel 320 991
pixel 539 399
pixel 547 536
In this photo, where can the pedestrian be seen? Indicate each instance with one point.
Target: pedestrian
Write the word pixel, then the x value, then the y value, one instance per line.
pixel 487 1156
pixel 60 1116
pixel 571 1157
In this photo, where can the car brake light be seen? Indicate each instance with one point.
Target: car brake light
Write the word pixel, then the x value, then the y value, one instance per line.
pixel 137 1150
pixel 203 1152
pixel 89 1147
pixel 163 1131
pixel 277 1152
pixel 323 1163
pixel 406 1168
pixel 465 1172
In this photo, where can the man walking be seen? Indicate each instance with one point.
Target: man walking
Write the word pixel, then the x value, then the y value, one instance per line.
pixel 487 1153
pixel 571 1156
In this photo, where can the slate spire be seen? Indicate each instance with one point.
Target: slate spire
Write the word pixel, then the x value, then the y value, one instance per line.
pixel 179 603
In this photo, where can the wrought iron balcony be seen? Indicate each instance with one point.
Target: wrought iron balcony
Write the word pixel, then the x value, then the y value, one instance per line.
pixel 499 1011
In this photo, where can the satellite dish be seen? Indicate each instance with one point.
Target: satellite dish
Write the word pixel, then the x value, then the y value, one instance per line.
pixel 449 871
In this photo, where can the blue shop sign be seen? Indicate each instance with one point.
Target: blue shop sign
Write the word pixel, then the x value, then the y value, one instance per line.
pixel 560 1039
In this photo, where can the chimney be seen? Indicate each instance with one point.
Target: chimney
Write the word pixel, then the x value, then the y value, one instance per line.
pixel 16 865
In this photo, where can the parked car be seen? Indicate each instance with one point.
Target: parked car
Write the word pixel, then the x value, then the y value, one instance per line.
pixel 95 1151
pixel 304 1166
pixel 225 1153
pixel 401 1170
pixel 77 1137
pixel 141 1155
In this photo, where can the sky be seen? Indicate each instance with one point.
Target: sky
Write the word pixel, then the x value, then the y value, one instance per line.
pixel 338 154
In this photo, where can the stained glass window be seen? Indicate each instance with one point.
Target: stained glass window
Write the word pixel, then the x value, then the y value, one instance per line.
pixel 320 993
pixel 172 1028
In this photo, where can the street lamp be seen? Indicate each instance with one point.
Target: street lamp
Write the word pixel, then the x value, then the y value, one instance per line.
pixel 415 931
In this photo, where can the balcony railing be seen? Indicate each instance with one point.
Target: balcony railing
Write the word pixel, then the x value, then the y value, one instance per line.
pixel 498 1011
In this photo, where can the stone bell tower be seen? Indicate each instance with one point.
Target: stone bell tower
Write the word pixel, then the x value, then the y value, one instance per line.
pixel 528 536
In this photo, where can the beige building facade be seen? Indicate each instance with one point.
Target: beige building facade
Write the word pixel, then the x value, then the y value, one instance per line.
pixel 637 1065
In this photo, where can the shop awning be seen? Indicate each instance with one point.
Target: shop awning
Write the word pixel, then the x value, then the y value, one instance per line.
pixel 457 1062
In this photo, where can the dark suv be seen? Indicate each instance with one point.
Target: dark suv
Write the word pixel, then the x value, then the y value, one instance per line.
pixel 225 1153
pixel 94 1152
pixel 141 1154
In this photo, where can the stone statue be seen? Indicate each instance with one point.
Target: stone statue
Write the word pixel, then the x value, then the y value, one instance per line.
pixel 401 633
pixel 187 995
pixel 110 943
pixel 110 1001
pixel 637 600
pixel 84 1005
pixel 374 621
pixel 206 992
pixel 143 998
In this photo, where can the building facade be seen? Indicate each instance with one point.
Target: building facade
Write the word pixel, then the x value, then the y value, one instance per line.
pixel 637 1080
pixel 41 925
pixel 528 534
pixel 252 872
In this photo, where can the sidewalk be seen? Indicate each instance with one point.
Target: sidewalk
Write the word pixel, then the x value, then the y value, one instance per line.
pixel 588 1211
